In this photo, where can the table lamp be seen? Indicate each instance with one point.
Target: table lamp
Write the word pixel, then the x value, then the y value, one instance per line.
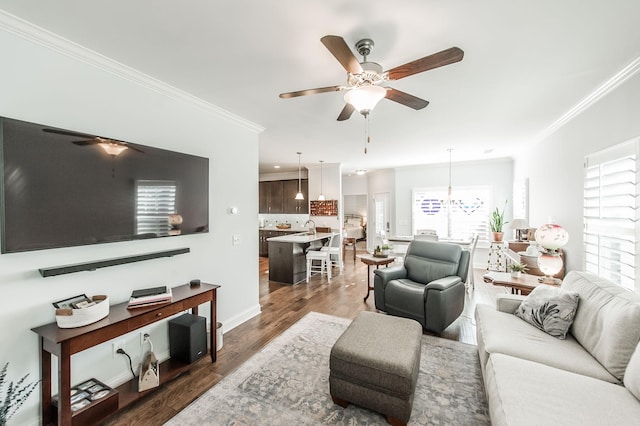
pixel 519 225
pixel 551 237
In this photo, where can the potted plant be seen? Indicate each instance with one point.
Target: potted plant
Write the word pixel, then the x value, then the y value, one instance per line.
pixel 496 221
pixel 14 396
pixel 386 248
pixel 517 269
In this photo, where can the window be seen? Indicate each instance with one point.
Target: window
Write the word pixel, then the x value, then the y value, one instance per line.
pixel 465 216
pixel 155 201
pixel 611 213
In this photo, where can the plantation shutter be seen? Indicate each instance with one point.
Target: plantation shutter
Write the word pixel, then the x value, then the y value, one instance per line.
pixel 155 201
pixel 611 214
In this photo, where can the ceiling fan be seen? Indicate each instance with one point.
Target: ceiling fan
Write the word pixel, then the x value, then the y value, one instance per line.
pixel 110 146
pixel 365 79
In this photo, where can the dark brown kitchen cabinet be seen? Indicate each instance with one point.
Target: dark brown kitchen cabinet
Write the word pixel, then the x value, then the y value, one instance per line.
pixel 289 191
pixel 270 197
pixel 279 197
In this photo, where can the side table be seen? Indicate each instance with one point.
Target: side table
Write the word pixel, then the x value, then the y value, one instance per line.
pixel 371 260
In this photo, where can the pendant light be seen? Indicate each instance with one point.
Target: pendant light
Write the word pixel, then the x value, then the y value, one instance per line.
pixel 299 195
pixel 321 196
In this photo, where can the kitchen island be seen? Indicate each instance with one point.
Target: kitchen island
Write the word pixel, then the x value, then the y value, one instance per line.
pixel 287 256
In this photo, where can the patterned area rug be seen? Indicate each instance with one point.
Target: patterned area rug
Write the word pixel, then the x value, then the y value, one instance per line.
pixel 287 383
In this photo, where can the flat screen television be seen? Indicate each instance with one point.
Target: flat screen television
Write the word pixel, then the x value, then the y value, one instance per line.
pixel 62 188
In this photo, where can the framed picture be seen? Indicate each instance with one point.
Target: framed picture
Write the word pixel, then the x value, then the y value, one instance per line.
pixel 68 303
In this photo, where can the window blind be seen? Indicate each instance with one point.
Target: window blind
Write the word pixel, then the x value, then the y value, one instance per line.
pixel 611 214
pixel 155 201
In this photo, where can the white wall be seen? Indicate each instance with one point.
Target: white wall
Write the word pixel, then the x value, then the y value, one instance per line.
pixel 46 80
pixel 555 165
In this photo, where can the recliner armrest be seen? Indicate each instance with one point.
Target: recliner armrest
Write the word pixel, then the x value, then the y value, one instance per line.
pixel 388 274
pixel 508 302
pixel 444 283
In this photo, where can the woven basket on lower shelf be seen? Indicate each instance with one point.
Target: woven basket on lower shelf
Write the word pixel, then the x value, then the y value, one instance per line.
pixel 72 318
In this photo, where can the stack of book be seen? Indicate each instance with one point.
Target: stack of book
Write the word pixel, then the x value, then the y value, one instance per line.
pixel 149 297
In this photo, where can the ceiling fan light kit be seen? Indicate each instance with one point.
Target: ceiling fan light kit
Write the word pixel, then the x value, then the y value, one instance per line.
pixel 365 98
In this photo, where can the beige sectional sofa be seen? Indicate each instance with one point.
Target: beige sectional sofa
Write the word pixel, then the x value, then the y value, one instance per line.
pixel 592 377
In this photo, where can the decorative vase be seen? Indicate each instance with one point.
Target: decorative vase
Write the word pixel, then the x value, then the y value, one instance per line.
pixel 385 252
pixel 497 236
pixel 516 274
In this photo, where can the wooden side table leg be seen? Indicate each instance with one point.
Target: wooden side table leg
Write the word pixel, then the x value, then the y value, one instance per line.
pixel 46 409
pixel 369 288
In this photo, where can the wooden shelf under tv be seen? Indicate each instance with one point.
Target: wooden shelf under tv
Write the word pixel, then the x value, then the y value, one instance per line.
pixel 324 208
pixel 64 342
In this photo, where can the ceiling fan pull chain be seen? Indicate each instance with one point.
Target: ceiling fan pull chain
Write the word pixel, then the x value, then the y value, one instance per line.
pixel 367 137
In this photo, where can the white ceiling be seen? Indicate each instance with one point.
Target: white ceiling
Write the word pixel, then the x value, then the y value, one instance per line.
pixel 526 63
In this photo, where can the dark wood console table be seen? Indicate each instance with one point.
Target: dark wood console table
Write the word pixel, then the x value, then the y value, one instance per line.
pixel 64 342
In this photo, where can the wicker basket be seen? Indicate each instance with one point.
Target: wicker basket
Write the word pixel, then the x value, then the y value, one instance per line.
pixel 72 318
pixel 283 226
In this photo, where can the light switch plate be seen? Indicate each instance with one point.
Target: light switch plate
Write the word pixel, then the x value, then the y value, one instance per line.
pixel 236 239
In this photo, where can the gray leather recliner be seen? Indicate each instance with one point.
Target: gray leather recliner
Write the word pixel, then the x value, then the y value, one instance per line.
pixel 428 288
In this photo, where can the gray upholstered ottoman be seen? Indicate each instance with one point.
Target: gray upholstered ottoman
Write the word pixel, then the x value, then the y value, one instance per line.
pixel 375 363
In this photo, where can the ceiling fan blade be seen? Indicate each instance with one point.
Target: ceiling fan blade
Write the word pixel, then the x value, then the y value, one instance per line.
pixel 445 57
pixel 85 142
pixel 346 112
pixel 338 48
pixel 406 99
pixel 68 133
pixel 311 92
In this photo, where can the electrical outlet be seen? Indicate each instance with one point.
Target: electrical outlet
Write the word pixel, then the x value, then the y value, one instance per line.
pixel 119 344
pixel 143 339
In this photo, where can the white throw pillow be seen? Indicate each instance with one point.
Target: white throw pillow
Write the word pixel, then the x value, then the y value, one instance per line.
pixel 551 309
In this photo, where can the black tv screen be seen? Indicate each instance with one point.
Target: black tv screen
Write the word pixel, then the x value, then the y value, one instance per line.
pixel 62 188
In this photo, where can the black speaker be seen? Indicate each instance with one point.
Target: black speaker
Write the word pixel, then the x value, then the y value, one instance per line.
pixel 188 337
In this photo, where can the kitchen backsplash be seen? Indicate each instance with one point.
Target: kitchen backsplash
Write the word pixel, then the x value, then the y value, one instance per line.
pixel 270 220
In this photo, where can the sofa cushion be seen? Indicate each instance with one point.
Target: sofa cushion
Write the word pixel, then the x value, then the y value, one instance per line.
pixel 504 333
pixel 607 322
pixel 632 374
pixel 521 392
pixel 551 309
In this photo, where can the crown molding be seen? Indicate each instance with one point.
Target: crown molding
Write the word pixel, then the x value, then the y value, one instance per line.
pixel 37 35
pixel 604 89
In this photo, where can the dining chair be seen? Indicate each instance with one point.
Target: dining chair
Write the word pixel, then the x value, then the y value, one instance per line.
pixel 472 251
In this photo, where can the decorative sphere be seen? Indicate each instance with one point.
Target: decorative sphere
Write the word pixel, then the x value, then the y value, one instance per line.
pixel 551 236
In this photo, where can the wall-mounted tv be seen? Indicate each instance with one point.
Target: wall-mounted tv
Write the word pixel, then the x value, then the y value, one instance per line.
pixel 61 188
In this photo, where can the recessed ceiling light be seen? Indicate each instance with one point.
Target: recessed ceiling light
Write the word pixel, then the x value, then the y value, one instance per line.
pixel 488 151
pixel 360 172
pixel 276 167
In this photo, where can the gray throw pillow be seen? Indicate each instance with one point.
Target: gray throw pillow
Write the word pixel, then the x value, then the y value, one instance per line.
pixel 551 309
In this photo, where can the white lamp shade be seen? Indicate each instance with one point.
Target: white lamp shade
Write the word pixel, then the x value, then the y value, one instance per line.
pixel 365 98
pixel 321 197
pixel 519 224
pixel 549 264
pixel 299 196
pixel 551 236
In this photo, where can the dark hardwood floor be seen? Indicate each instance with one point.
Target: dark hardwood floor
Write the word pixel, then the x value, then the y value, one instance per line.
pixel 282 306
